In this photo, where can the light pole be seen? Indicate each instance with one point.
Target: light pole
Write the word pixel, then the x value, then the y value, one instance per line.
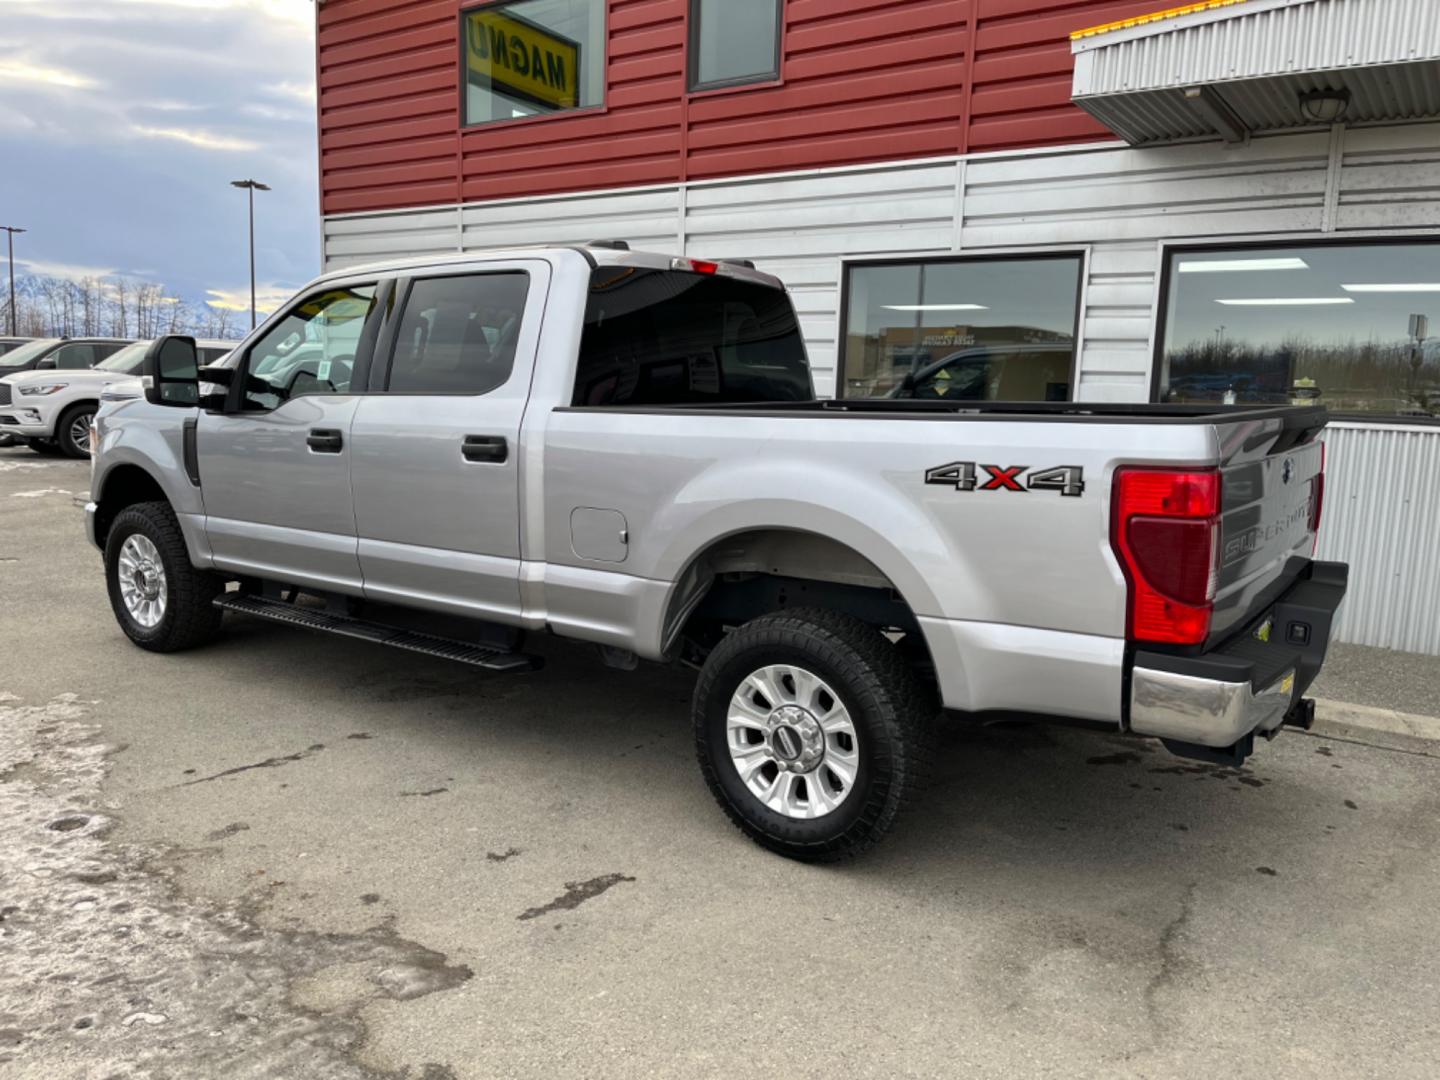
pixel 253 186
pixel 11 230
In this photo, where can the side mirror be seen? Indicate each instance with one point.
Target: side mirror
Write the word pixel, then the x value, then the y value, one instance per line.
pixel 215 387
pixel 170 372
pixel 46 364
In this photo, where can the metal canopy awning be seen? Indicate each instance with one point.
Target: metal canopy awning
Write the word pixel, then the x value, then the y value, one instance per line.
pixel 1232 67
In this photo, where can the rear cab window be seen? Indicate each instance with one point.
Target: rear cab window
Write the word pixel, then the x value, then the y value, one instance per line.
pixel 669 337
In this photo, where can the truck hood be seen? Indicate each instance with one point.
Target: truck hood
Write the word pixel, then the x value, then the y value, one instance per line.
pixel 124 388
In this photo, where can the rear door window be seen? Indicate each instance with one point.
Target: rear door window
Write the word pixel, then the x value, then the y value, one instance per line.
pixel 80 354
pixel 668 337
pixel 458 334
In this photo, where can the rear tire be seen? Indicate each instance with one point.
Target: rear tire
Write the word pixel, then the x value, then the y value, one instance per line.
pixel 861 733
pixel 72 433
pixel 43 447
pixel 161 601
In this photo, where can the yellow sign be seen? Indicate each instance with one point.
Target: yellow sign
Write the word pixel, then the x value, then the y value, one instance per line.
pixel 522 59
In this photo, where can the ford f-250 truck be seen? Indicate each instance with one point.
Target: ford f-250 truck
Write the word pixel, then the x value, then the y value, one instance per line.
pixel 444 453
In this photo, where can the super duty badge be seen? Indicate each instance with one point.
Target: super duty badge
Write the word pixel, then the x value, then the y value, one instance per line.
pixel 966 476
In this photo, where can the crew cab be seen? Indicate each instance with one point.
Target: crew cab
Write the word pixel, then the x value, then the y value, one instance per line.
pixel 51 409
pixel 446 453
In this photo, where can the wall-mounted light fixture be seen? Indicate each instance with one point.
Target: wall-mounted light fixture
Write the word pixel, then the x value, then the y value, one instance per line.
pixel 1324 106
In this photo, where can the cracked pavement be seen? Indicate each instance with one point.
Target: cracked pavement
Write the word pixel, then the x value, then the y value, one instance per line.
pixel 291 856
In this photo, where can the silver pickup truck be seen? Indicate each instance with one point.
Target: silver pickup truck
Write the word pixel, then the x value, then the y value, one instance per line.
pixel 444 454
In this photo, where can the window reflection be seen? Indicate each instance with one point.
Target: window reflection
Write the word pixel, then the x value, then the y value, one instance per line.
pixel 977 329
pixel 532 57
pixel 1346 325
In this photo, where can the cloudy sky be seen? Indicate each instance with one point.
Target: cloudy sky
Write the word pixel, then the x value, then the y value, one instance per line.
pixel 122 123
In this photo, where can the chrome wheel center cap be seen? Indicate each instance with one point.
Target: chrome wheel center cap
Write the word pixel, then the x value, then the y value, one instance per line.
pixel 796 739
pixel 146 583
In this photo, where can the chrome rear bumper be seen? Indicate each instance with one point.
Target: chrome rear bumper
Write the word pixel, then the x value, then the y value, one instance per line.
pixel 1207 712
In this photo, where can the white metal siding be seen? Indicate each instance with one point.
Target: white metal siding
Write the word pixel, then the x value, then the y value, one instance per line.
pixel 1382 517
pixel 350 240
pixel 1119 203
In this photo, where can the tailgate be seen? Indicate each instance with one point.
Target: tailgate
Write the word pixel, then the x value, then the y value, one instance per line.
pixel 1269 512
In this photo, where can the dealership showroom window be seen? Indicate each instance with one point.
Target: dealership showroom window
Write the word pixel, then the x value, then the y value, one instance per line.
pixel 992 328
pixel 1347 325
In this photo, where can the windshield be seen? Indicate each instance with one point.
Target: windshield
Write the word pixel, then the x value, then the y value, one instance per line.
pixel 27 352
pixel 127 360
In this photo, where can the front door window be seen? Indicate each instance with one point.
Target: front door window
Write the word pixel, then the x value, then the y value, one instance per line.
pixel 311 350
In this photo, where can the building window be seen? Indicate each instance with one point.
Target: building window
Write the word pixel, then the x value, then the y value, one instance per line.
pixel 531 57
pixel 1346 325
pixel 733 42
pixel 999 328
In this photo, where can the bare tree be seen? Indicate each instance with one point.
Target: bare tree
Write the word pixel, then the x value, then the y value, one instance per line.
pixel 120 308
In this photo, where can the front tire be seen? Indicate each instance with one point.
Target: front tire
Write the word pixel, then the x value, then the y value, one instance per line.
pixel 72 433
pixel 813 733
pixel 161 601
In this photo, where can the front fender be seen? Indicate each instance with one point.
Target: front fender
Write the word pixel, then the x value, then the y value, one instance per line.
pixel 136 434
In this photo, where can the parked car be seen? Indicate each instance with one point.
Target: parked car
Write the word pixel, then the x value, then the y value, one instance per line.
pixel 626 449
pixel 52 353
pixel 8 344
pixel 51 410
pixel 59 354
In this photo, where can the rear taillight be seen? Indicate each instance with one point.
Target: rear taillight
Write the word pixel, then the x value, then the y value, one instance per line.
pixel 1166 534
pixel 1317 499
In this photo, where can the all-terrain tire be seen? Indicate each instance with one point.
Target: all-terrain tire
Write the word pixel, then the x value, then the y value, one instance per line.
pixel 892 715
pixel 189 617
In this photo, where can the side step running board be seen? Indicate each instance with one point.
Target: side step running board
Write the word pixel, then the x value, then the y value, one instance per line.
pixel 481 656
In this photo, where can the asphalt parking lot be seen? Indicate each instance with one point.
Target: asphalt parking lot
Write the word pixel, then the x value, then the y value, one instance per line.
pixel 291 856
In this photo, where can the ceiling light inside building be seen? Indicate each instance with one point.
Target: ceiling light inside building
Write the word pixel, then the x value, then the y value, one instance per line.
pixel 1227 266
pixel 1286 301
pixel 1324 106
pixel 936 307
pixel 1401 286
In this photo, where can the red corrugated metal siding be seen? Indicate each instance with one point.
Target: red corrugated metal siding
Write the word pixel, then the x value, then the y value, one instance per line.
pixel 863 80
pixel 1024 68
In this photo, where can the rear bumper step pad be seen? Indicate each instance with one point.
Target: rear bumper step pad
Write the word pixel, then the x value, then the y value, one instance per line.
pixel 465 652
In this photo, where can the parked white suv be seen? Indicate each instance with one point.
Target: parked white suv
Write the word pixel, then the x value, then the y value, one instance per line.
pixel 51 410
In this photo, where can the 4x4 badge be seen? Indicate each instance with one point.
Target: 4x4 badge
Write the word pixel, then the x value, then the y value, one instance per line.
pixel 965 476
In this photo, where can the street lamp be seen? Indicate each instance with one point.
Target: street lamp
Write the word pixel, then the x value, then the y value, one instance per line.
pixel 253 186
pixel 12 230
